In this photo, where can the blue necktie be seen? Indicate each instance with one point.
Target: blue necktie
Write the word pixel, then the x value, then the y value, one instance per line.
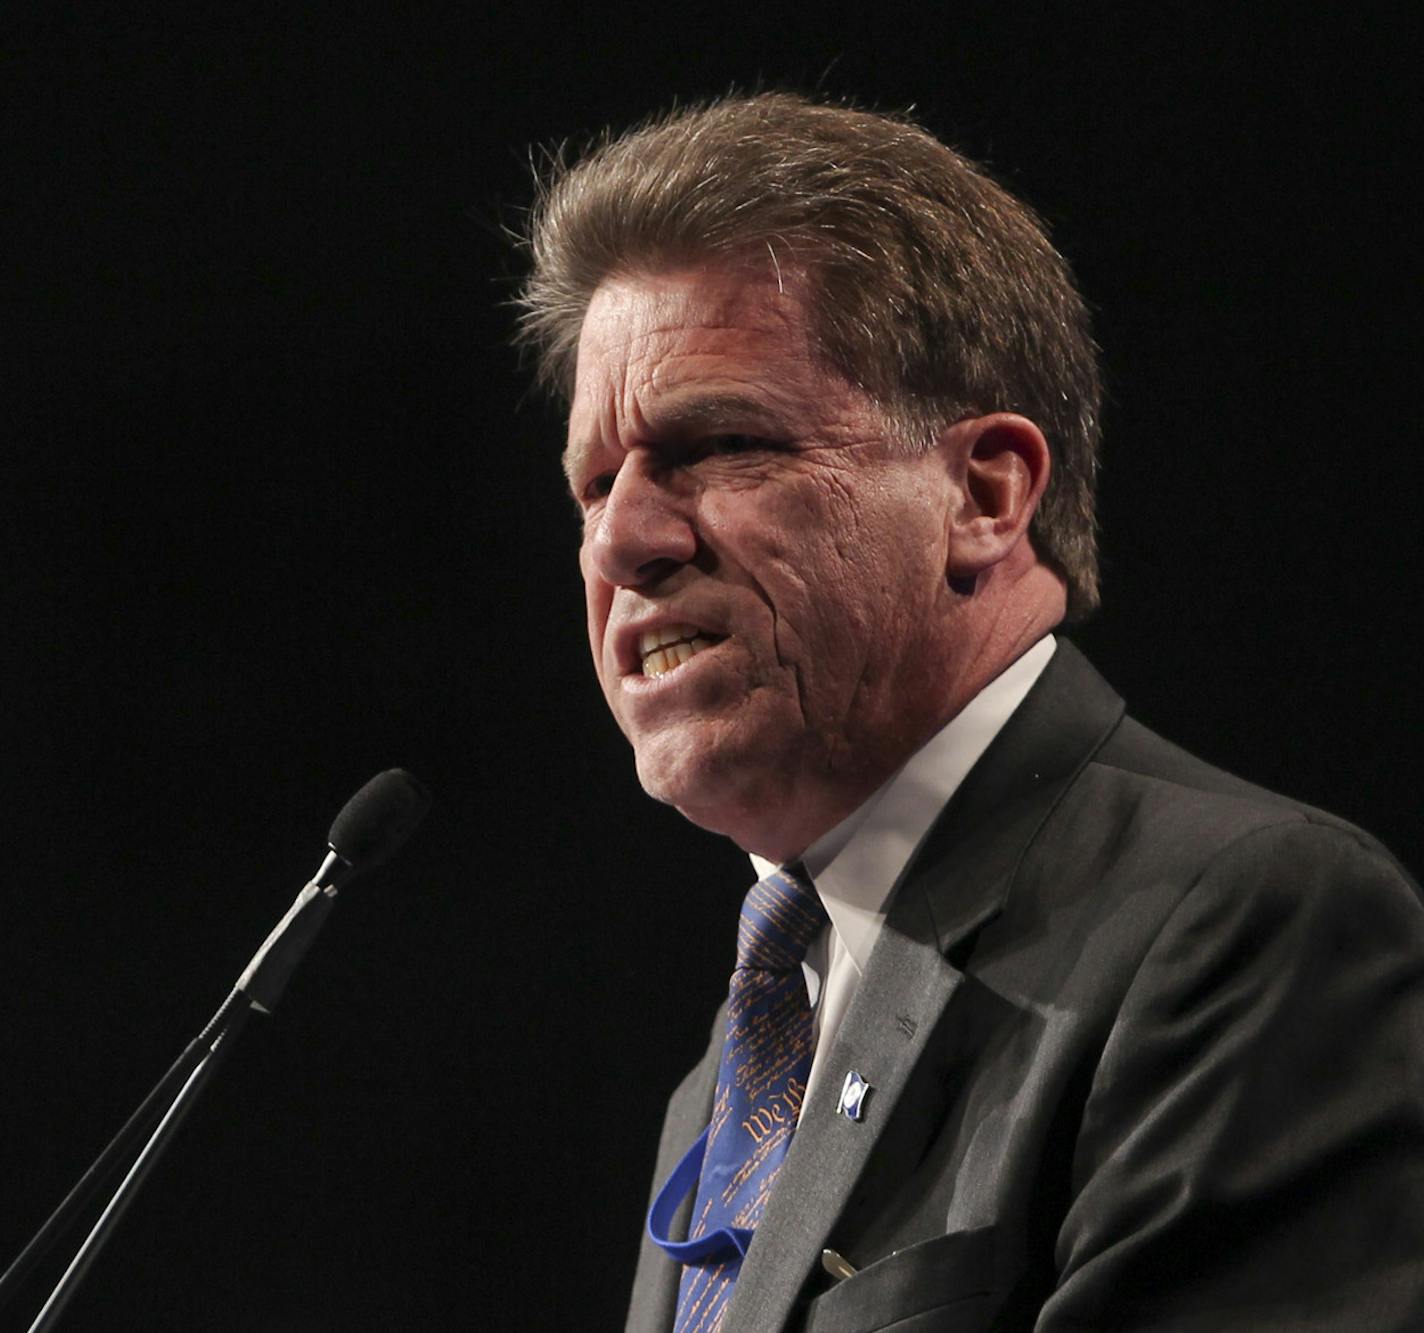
pixel 766 1058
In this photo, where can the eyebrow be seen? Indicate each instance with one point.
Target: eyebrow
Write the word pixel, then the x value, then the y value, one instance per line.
pixel 677 416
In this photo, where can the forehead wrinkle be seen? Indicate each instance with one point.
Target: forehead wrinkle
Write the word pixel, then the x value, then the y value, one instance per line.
pixel 576 451
pixel 606 431
pixel 697 388
pixel 680 410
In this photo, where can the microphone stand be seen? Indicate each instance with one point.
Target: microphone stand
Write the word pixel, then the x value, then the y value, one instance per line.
pixel 259 988
pixel 234 1010
pixel 200 1076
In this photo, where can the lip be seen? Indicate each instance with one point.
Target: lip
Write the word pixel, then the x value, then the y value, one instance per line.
pixel 628 655
pixel 638 685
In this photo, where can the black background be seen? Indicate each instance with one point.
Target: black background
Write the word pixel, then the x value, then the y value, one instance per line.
pixel 278 512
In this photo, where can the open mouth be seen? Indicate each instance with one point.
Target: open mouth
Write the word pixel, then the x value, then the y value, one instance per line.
pixel 666 649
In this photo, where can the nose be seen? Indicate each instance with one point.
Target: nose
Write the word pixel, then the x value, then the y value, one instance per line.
pixel 644 530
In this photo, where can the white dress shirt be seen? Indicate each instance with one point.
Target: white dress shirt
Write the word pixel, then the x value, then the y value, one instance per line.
pixel 856 865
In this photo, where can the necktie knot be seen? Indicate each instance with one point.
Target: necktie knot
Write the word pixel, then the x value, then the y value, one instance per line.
pixel 780 917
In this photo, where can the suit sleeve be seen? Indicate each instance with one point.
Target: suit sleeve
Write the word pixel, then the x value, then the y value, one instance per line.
pixel 1252 1149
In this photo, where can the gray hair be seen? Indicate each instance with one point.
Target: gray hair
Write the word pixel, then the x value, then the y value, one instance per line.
pixel 932 288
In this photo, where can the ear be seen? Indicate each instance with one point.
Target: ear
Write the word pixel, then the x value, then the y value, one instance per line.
pixel 1002 465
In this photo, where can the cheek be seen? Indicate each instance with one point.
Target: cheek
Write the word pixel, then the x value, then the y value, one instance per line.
pixel 774 534
pixel 821 610
pixel 868 588
pixel 598 600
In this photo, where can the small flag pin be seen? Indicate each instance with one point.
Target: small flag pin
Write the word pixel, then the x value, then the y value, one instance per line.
pixel 854 1091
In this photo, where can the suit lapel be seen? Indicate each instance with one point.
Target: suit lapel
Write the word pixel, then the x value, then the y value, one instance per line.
pixel 957 881
pixel 905 988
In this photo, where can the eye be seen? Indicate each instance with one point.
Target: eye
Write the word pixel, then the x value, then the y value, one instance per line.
pixel 598 488
pixel 723 445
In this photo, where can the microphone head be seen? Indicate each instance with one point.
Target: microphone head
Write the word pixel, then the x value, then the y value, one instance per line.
pixel 379 818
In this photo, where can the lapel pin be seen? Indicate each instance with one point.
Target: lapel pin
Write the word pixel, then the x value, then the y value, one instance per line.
pixel 854 1091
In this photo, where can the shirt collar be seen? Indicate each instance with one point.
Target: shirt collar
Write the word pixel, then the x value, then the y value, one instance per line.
pixel 856 864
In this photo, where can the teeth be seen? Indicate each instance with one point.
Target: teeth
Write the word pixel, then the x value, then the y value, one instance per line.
pixel 659 660
pixel 656 638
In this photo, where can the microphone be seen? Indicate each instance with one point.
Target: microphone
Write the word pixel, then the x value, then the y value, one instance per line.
pixel 372 826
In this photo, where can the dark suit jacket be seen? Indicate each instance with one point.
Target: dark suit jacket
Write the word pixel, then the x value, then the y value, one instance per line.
pixel 1147 1051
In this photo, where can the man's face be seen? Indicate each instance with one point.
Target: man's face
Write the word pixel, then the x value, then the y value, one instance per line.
pixel 764 566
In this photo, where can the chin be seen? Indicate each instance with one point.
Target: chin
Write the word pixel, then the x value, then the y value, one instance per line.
pixel 716 789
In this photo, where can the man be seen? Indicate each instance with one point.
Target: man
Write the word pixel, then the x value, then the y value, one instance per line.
pixel 1084 1034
